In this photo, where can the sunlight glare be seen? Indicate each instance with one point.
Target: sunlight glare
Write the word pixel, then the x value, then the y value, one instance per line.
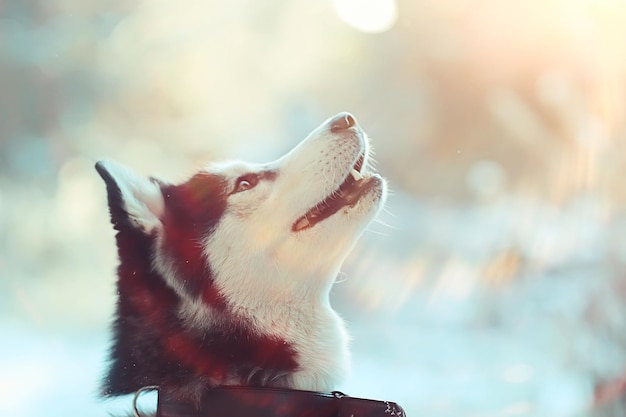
pixel 370 16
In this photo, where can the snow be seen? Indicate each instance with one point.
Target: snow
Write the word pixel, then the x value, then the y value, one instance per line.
pixel 444 345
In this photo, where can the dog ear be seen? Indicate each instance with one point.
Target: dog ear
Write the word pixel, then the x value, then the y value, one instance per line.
pixel 134 201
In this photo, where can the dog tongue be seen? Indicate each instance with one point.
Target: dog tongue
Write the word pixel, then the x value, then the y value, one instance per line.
pixel 347 195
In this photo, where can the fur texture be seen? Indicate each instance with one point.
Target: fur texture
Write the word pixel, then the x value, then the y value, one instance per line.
pixel 224 279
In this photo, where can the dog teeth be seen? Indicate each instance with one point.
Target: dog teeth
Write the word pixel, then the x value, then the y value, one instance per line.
pixel 356 175
pixel 301 224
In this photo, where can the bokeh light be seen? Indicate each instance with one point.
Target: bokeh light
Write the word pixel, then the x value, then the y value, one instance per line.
pixel 493 283
pixel 370 16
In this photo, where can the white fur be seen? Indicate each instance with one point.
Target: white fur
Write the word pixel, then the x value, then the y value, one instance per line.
pixel 141 196
pixel 280 279
pixel 277 279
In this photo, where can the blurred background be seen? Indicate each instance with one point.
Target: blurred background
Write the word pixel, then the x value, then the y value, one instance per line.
pixel 493 284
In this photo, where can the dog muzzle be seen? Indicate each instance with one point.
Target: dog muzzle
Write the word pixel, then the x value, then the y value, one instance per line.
pixel 235 401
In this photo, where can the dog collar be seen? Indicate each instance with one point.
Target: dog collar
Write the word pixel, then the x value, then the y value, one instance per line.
pixel 235 401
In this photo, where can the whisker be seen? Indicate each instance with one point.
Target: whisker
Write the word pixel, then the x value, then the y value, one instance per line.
pixel 376 232
pixel 384 223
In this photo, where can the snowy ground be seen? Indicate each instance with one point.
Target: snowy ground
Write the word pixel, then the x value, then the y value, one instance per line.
pixel 429 332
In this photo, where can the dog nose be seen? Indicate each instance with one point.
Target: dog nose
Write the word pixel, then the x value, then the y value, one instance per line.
pixel 342 121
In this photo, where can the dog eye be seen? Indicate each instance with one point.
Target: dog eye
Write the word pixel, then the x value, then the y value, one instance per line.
pixel 246 182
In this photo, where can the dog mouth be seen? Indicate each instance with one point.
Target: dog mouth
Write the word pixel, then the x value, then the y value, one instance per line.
pixel 347 194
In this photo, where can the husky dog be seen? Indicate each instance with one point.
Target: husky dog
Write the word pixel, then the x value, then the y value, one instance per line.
pixel 225 278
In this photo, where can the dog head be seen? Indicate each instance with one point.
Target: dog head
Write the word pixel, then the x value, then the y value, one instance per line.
pixel 240 250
